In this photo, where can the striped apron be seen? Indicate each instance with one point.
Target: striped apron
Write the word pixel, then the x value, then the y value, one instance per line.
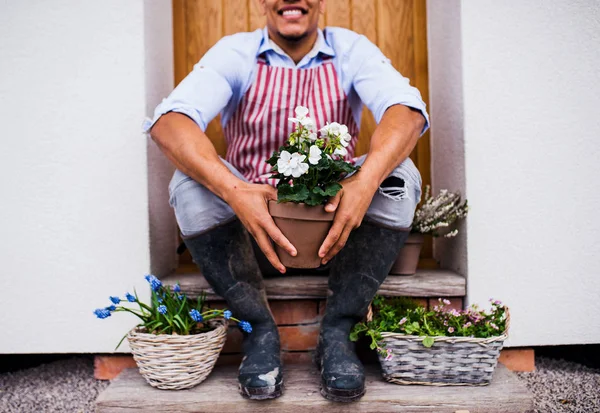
pixel 260 123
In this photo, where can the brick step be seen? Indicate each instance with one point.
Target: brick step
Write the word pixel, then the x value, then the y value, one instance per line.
pixel 425 283
pixel 130 393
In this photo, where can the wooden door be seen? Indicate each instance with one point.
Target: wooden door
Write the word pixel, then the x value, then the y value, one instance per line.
pixel 398 27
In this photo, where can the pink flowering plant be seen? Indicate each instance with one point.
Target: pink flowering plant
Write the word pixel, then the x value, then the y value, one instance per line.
pixel 403 315
pixel 169 312
pixel 311 163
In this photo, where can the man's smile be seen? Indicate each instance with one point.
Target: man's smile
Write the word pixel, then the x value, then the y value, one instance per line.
pixel 292 12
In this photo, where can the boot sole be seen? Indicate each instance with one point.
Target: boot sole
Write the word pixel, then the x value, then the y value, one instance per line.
pixel 335 394
pixel 261 393
pixel 342 395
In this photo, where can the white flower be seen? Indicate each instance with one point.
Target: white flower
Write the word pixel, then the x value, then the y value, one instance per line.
pixel 343 129
pixel 325 129
pixel 340 151
pixel 334 128
pixel 312 136
pixel 301 112
pixel 292 164
pixel 346 136
pixel 314 155
pixel 344 142
pixel 308 123
pixel 301 116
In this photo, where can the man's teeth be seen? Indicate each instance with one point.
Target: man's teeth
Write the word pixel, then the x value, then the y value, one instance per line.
pixel 292 12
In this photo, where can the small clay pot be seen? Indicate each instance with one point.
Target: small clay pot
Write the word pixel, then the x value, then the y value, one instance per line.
pixel 306 227
pixel 408 257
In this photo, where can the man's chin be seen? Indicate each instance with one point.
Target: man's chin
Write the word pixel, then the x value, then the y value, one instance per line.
pixel 293 37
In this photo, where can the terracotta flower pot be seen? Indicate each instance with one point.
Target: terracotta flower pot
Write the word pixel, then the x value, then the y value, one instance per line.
pixel 306 227
pixel 408 257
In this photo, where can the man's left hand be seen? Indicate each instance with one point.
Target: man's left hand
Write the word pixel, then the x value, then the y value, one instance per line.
pixel 350 205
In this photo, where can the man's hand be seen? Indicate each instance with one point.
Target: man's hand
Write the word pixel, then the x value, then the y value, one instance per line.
pixel 351 204
pixel 250 204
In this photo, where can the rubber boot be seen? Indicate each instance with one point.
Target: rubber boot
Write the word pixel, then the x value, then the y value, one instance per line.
pixel 356 274
pixel 226 259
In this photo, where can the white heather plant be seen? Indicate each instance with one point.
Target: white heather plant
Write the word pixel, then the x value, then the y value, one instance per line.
pixel 437 214
pixel 310 166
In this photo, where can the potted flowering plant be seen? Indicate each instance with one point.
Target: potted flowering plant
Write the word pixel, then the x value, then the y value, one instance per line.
pixel 440 345
pixel 178 340
pixel 435 217
pixel 309 167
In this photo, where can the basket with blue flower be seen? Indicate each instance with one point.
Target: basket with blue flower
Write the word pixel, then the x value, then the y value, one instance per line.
pixel 178 341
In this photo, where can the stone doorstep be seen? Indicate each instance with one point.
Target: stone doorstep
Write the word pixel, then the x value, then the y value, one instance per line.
pixel 130 392
pixel 107 367
pixel 425 283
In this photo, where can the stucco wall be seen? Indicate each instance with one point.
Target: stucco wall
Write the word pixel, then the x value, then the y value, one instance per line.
pixel 73 169
pixel 529 100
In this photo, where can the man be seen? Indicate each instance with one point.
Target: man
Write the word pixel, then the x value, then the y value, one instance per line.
pixel 255 80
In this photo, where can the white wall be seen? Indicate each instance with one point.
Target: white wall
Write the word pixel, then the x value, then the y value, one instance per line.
pixel 529 100
pixel 74 89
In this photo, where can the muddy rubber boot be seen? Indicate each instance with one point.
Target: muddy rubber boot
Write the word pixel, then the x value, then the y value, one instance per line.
pixel 226 259
pixel 356 274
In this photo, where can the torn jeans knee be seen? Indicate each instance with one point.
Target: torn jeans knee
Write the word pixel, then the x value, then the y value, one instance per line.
pixel 393 205
pixel 393 188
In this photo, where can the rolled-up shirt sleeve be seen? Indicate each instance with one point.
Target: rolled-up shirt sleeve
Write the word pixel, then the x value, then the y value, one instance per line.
pixel 378 84
pixel 205 91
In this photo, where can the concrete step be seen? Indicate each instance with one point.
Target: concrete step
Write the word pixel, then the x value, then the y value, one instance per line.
pixel 425 283
pixel 130 393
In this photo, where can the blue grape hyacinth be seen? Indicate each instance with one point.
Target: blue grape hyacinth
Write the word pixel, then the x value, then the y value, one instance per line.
pixel 162 309
pixel 111 308
pixel 102 313
pixel 196 316
pixel 227 314
pixel 245 326
pixel 130 298
pixel 177 288
pixel 155 283
pixel 115 300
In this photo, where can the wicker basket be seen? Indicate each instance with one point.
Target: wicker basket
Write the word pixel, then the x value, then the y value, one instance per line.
pixel 451 361
pixel 174 362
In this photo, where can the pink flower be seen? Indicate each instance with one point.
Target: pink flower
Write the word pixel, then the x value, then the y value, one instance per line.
pixel 445 301
pixel 451 329
pixel 494 326
pixel 389 355
pixel 467 325
pixel 402 321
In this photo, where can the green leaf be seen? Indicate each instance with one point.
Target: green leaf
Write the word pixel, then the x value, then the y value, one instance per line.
pixel 121 341
pixel 288 193
pixel 428 341
pixel 332 189
pixel 314 199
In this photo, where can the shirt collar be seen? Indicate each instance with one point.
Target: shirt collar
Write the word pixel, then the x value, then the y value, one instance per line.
pixel 321 45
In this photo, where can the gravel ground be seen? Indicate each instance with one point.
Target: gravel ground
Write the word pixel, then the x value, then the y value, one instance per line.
pixel 562 386
pixel 69 386
pixel 61 386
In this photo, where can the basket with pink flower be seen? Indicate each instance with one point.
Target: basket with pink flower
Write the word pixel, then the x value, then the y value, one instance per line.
pixel 440 346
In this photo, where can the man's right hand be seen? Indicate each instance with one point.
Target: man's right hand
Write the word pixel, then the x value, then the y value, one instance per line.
pixel 250 204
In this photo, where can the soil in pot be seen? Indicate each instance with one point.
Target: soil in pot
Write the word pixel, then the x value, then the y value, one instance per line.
pixel 306 227
pixel 408 257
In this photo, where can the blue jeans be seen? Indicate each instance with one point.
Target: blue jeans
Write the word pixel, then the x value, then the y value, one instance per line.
pixel 198 210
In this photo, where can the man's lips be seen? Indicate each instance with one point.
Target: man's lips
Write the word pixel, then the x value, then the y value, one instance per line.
pixel 292 12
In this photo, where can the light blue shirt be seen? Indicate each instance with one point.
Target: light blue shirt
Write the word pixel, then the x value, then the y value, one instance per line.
pixel 224 74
